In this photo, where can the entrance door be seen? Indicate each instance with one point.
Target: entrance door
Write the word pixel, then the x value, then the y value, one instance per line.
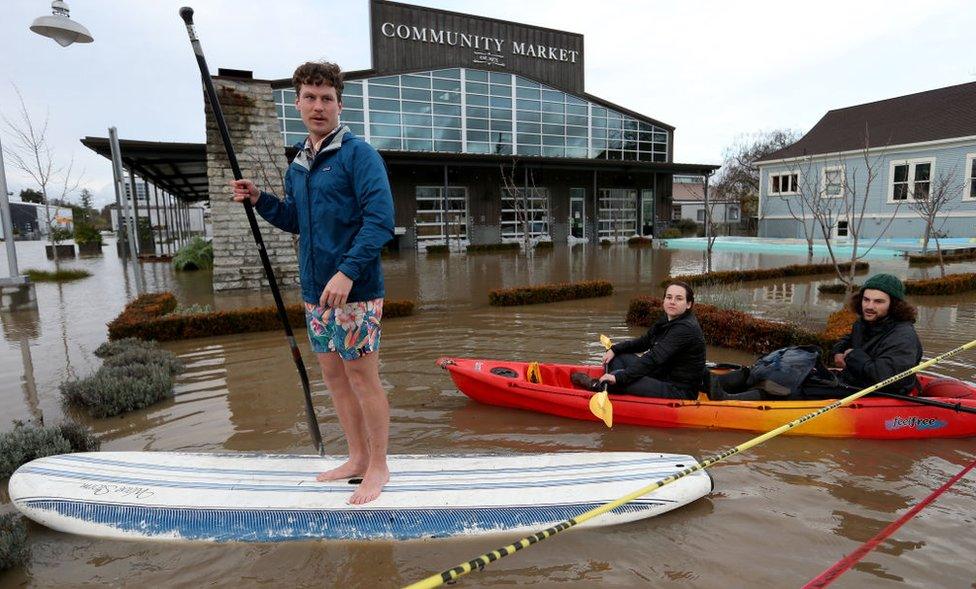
pixel 647 212
pixel 577 213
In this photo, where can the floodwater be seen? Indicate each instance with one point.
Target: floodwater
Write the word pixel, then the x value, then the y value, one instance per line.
pixel 779 514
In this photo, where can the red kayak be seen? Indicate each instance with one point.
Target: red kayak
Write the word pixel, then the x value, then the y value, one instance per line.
pixel 504 383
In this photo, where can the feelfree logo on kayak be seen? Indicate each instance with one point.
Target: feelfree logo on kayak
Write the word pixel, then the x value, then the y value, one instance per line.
pixel 914 422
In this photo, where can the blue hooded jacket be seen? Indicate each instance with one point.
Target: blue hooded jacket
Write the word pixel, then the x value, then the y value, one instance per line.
pixel 341 206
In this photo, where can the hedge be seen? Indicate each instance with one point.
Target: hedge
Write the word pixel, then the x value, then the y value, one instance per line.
pixel 27 442
pixel 549 293
pixel 438 249
pixel 150 317
pixel 927 259
pixel 543 245
pixel 732 329
pixel 949 285
pixel 493 247
pixel 14 546
pixel 763 274
pixel 639 241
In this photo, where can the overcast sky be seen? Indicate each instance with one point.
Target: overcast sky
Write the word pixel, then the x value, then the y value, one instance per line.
pixel 714 70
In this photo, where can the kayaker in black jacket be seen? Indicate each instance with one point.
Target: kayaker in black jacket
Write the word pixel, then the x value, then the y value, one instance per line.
pixel 882 343
pixel 673 360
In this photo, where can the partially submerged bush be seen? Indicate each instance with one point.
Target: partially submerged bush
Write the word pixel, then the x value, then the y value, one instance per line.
pixel 195 255
pixel 544 245
pixel 14 548
pixel 438 249
pixel 763 274
pixel 947 257
pixel 155 319
pixel 949 285
pixel 493 247
pixel 134 374
pixel 61 275
pixel 27 442
pixel 113 390
pixel 671 233
pixel 549 293
pixel 639 241
pixel 731 329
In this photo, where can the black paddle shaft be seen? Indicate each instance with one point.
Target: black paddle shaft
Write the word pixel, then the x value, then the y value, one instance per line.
pixel 186 13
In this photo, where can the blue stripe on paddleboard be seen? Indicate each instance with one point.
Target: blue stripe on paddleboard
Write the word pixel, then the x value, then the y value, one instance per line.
pixel 420 473
pixel 312 487
pixel 253 525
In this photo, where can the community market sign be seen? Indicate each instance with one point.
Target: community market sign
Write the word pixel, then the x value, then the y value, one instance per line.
pixel 483 46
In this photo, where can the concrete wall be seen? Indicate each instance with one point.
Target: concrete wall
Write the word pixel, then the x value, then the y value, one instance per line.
pixel 249 109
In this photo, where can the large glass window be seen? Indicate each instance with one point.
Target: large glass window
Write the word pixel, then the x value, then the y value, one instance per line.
pixel 912 178
pixel 547 121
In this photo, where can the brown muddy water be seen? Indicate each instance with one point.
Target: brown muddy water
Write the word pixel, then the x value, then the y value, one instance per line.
pixel 779 514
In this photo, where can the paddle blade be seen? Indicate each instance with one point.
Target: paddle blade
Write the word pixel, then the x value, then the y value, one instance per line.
pixel 605 341
pixel 601 407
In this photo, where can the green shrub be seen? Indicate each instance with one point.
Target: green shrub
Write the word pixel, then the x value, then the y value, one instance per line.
pixel 438 249
pixel 762 274
pixel 671 233
pixel 493 247
pixel 549 293
pixel 687 227
pixel 61 275
pixel 113 390
pixel 85 234
pixel 195 255
pixel 14 548
pixel 544 245
pixel 114 348
pixel 27 442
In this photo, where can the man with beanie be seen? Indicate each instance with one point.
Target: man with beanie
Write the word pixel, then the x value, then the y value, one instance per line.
pixel 882 343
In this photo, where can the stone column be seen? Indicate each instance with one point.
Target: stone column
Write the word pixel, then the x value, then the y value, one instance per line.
pixel 248 107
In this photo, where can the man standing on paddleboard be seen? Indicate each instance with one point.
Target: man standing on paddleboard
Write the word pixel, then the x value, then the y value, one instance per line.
pixel 338 199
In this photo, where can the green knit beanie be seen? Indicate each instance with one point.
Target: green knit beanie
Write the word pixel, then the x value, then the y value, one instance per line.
pixel 886 283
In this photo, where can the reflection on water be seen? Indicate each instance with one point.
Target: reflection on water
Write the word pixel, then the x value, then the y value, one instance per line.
pixel 818 498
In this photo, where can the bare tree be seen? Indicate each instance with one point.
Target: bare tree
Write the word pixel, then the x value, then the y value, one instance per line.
pixel 519 196
pixel 739 176
pixel 930 201
pixel 33 155
pixel 843 198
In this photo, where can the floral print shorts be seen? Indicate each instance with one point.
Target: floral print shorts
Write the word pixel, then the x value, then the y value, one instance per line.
pixel 352 330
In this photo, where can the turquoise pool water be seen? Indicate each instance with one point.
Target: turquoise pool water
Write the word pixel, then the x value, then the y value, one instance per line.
pixel 884 248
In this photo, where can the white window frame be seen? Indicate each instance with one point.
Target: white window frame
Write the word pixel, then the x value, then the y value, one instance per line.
pixel 969 175
pixel 823 181
pixel 438 216
pixel 539 210
pixel 796 183
pixel 912 164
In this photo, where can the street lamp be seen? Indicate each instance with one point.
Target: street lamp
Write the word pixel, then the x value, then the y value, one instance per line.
pixel 60 27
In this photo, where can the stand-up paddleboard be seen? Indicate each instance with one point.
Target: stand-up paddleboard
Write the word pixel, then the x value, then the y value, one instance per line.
pixel 269 498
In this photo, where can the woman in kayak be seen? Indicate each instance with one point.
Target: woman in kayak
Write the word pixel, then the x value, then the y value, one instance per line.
pixel 673 361
pixel 882 343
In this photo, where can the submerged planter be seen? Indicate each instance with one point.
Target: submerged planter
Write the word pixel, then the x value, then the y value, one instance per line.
pixel 90 249
pixel 64 251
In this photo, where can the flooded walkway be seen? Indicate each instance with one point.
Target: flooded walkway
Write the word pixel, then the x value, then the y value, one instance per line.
pixel 779 514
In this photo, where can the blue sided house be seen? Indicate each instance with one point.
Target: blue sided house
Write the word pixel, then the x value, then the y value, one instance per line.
pixel 871 166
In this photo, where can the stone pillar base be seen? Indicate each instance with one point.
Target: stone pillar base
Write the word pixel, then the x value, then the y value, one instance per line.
pixel 16 295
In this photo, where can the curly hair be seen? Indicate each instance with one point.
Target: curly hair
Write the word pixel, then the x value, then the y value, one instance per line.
pixel 689 294
pixel 316 73
pixel 900 310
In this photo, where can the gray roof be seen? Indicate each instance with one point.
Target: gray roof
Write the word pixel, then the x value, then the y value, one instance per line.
pixel 944 113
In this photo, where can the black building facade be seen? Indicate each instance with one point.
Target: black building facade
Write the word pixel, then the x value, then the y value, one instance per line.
pixel 488 134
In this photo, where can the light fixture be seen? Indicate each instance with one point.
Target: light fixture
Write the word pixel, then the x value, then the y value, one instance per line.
pixel 60 27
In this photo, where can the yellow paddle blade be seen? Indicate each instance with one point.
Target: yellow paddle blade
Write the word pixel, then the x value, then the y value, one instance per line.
pixel 601 407
pixel 605 341
pixel 533 374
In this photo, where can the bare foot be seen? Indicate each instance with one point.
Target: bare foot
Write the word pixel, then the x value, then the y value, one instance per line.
pixel 371 486
pixel 347 470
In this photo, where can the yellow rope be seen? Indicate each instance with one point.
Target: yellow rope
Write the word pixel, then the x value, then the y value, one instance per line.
pixel 481 561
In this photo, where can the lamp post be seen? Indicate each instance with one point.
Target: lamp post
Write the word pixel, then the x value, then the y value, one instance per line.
pixel 60 27
pixel 8 231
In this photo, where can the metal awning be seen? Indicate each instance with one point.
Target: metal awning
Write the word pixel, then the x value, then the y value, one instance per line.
pixel 177 168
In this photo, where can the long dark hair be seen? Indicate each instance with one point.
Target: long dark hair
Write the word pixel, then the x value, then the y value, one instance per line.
pixel 900 309
pixel 689 294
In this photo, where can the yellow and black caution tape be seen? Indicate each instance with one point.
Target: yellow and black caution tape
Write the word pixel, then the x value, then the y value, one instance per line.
pixel 483 560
